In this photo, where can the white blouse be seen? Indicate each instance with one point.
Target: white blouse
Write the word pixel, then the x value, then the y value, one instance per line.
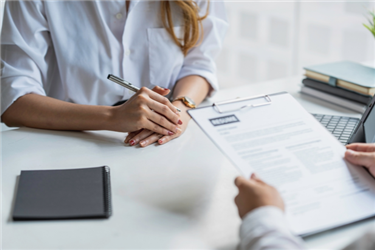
pixel 66 49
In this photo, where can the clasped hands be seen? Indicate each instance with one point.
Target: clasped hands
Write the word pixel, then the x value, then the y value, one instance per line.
pixel 254 193
pixel 149 117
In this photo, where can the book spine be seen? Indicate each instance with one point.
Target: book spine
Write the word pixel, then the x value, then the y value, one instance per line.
pixel 340 83
pixel 334 99
pixel 337 91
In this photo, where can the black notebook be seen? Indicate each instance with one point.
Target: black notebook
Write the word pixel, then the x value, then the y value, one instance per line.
pixel 63 194
pixel 337 91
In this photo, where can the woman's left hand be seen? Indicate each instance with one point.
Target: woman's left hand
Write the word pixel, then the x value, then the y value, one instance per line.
pixel 145 137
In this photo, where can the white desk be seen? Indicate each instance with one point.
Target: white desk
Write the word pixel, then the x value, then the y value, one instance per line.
pixel 179 195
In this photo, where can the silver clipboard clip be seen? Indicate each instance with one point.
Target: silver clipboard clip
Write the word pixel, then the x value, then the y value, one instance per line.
pixel 266 97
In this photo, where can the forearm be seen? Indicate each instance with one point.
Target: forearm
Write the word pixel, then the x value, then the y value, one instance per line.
pixel 195 87
pixel 43 112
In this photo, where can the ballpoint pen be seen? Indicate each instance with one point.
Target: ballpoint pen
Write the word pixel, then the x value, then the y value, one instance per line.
pixel 127 84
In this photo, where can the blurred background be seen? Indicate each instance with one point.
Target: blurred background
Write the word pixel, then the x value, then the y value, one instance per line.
pixel 276 39
pixel 269 40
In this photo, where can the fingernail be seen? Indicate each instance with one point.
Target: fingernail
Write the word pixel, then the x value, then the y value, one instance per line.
pixel 132 142
pixel 179 122
pixel 160 141
pixel 143 143
pixel 165 89
pixel 170 133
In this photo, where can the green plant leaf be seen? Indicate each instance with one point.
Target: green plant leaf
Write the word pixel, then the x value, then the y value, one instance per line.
pixel 371 26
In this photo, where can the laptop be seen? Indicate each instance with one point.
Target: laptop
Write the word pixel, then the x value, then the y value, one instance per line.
pixel 348 129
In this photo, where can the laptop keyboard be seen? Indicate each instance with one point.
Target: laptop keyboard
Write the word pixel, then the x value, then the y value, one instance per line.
pixel 340 126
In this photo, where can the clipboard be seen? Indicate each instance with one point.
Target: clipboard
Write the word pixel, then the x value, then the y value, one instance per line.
pixel 274 136
pixel 267 98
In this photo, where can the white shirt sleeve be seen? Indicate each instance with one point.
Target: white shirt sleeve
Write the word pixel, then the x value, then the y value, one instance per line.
pixel 200 60
pixel 265 228
pixel 65 49
pixel 365 242
pixel 24 35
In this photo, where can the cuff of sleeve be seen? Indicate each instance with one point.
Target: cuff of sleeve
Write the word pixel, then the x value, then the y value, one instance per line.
pixel 263 219
pixel 209 76
pixel 13 88
pixel 267 228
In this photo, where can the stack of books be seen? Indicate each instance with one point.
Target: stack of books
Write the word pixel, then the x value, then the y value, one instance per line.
pixel 347 84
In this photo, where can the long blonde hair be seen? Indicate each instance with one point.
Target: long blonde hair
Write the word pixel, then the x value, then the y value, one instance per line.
pixel 191 20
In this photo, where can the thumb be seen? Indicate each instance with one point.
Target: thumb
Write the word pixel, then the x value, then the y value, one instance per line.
pixel 239 181
pixel 160 90
pixel 360 158
pixel 256 178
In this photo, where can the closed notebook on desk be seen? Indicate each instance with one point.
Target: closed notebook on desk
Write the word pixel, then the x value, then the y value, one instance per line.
pixel 63 194
pixel 337 91
pixel 347 75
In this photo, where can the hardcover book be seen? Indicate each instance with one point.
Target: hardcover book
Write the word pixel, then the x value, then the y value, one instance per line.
pixel 337 91
pixel 347 75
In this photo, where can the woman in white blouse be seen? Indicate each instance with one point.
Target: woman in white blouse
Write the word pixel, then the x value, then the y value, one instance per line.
pixel 56 56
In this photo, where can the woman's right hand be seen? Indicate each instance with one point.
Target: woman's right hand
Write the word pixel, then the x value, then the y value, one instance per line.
pixel 146 110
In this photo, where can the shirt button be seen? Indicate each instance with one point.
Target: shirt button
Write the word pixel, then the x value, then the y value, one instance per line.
pixel 127 52
pixel 118 16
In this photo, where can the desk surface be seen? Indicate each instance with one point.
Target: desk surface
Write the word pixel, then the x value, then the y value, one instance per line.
pixel 179 195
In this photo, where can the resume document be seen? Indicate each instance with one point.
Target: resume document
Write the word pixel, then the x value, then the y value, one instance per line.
pixel 290 150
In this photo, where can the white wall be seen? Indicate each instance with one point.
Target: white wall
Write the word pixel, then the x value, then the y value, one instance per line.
pixel 268 40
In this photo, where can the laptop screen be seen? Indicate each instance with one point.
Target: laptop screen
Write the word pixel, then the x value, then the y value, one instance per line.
pixel 369 126
pixel 365 131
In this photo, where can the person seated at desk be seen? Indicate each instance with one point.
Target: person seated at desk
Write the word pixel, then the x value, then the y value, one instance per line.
pixel 56 56
pixel 261 208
